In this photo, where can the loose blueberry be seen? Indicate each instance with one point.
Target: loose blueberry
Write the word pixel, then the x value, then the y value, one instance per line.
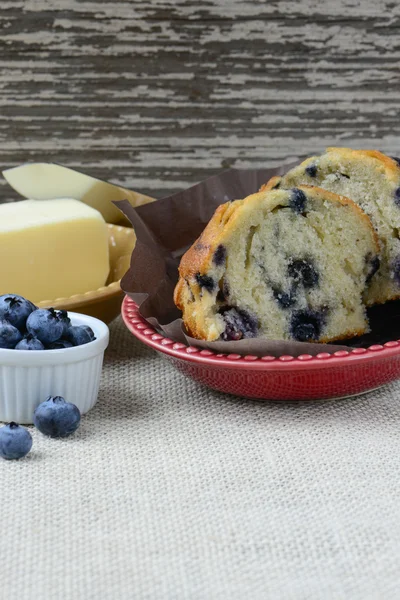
pixel 15 309
pixel 9 335
pixel 15 441
pixel 303 271
pixel 219 255
pixel 64 319
pixel 80 334
pixel 373 265
pixel 59 344
pixel 298 200
pixel 306 325
pixel 311 170
pixel 284 299
pixel 239 324
pixel 45 325
pixel 29 343
pixel 56 417
pixel 397 197
pixel 205 282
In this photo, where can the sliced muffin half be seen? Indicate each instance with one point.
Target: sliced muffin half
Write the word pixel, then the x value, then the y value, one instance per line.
pixel 285 264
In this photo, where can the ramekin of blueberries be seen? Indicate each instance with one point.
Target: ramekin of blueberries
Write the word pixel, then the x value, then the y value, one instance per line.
pixel 46 351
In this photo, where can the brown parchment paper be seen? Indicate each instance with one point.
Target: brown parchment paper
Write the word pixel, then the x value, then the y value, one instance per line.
pixel 167 228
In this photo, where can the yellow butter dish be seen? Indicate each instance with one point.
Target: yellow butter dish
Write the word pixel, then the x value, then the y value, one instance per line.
pixel 46 181
pixel 105 302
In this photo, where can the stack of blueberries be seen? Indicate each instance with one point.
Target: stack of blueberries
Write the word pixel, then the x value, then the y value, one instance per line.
pixel 23 326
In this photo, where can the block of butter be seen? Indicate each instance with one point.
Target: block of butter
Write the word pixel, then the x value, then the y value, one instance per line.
pixel 52 249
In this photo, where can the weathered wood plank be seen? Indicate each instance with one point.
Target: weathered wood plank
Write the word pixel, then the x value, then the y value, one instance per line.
pixel 158 95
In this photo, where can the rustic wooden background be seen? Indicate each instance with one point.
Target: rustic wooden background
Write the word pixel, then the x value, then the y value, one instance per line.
pixel 158 94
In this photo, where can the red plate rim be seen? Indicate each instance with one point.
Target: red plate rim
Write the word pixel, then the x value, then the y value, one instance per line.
pixel 147 334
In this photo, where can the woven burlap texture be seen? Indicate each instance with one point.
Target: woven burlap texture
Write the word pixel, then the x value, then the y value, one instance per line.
pixel 172 491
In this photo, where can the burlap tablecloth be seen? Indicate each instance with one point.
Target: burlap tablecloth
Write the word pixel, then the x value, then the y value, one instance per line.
pixel 170 490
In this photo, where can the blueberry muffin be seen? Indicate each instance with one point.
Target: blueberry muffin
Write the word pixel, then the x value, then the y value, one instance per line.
pixel 284 264
pixel 372 180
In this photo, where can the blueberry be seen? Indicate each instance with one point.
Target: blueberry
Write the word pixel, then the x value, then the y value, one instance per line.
pixel 45 325
pixel 373 265
pixel 311 170
pixel 29 343
pixel 284 299
pixel 15 441
pixel 64 319
pixel 220 296
pixel 206 282
pixel 199 246
pixel 395 267
pixel 191 295
pixel 223 294
pixel 239 324
pixel 219 255
pixel 305 332
pixel 56 417
pixel 59 344
pixel 298 200
pixel 306 325
pixel 397 197
pixel 226 289
pixel 303 271
pixel 9 335
pixel 15 309
pixel 80 334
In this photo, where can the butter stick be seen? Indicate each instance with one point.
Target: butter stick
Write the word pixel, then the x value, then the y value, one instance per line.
pixel 52 249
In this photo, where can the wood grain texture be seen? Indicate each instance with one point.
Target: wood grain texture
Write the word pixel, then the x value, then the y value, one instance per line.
pixel 157 95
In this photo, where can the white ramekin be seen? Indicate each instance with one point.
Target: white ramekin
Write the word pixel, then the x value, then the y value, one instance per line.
pixel 28 377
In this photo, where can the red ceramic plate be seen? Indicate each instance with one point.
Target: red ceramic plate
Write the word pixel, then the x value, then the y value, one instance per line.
pixel 343 374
